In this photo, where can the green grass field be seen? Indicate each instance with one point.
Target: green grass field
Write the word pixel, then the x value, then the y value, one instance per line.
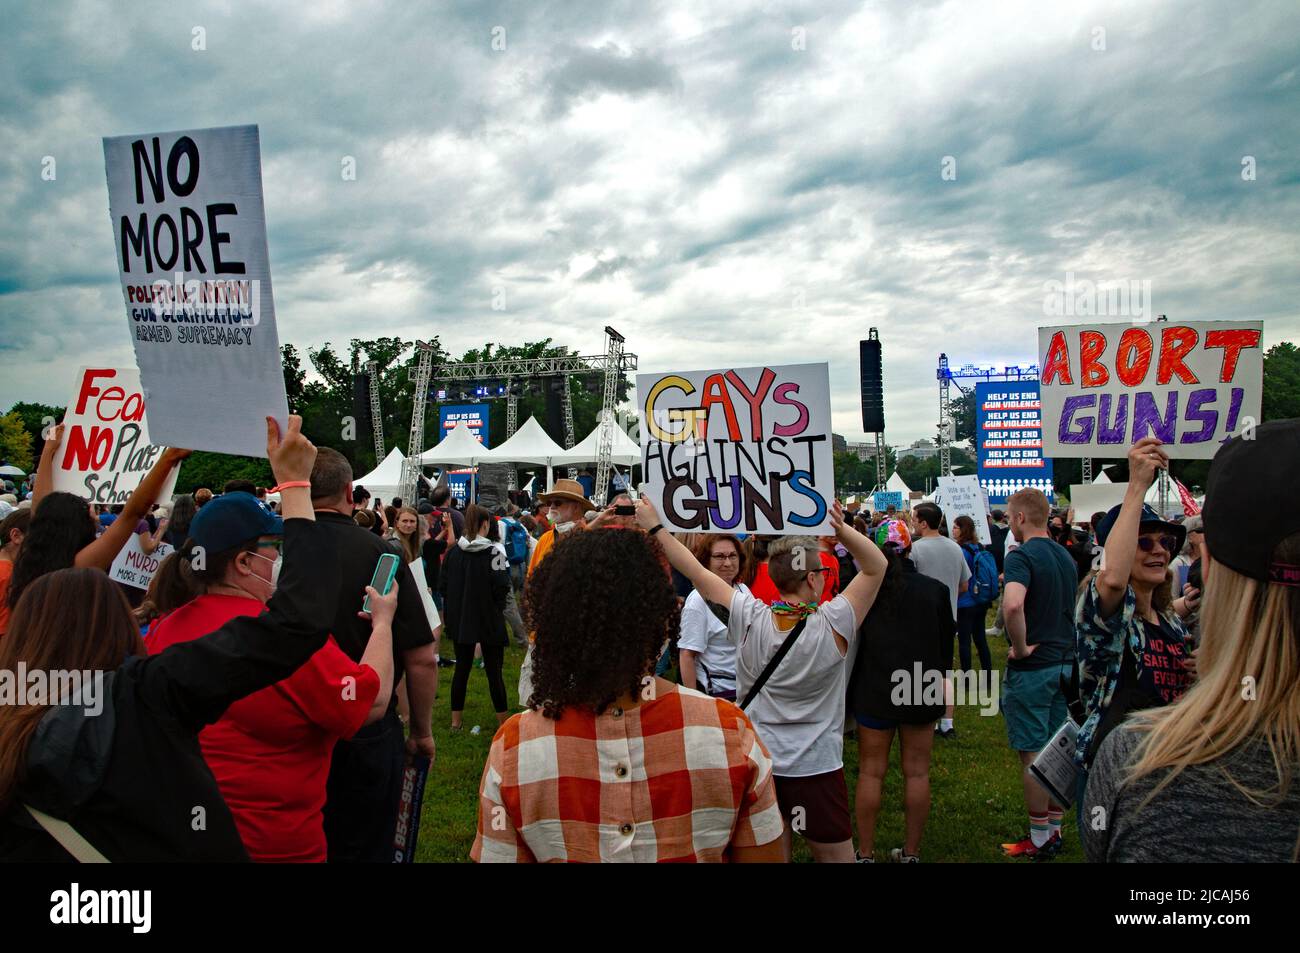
pixel 975 784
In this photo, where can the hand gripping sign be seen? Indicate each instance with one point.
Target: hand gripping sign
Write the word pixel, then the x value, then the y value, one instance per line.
pixel 744 450
pixel 107 448
pixel 1193 384
pixel 190 231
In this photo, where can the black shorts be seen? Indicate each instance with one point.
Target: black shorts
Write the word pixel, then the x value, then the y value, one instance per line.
pixel 816 806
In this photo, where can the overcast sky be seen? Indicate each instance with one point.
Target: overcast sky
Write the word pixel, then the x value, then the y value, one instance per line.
pixel 727 183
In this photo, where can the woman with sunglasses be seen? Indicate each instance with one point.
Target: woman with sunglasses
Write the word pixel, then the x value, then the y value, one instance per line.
pixel 270 752
pixel 707 659
pixel 1134 652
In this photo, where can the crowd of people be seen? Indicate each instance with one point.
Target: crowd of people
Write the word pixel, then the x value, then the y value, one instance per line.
pixel 682 697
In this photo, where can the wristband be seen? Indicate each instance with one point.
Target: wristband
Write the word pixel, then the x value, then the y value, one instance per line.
pixel 290 485
pixel 657 528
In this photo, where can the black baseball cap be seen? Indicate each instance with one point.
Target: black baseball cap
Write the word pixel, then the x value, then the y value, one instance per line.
pixel 1150 520
pixel 1251 504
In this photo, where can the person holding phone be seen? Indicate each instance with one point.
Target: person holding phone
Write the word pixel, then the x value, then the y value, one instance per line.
pixel 139 788
pixel 270 752
pixel 475 582
pixel 365 781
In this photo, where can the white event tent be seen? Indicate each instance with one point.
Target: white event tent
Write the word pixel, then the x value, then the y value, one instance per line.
pixel 626 451
pixel 460 448
pixel 385 480
pixel 895 484
pixel 530 444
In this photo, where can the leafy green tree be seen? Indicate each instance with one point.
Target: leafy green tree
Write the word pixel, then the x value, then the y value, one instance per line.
pixel 212 470
pixel 35 417
pixel 15 442
pixel 1281 382
pixel 963 417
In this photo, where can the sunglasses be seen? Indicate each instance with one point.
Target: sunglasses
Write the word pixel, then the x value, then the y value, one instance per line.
pixel 1168 543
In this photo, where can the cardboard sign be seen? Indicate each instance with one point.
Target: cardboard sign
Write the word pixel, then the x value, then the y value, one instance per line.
pixel 190 233
pixel 134 567
pixel 1089 498
pixel 1192 384
pixel 742 449
pixel 1054 768
pixel 882 500
pixel 415 773
pixel 963 496
pixel 107 445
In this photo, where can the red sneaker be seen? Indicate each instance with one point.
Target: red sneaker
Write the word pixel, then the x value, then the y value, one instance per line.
pixel 1025 848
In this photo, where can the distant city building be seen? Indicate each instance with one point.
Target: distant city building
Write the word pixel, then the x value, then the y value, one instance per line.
pixel 923 449
pixel 839 444
pixel 863 451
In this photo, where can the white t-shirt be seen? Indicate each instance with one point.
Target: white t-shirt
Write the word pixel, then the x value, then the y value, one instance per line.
pixel 799 714
pixel 705 634
pixel 940 558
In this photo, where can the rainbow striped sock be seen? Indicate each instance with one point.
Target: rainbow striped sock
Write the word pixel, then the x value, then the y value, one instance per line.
pixel 1040 832
pixel 1054 821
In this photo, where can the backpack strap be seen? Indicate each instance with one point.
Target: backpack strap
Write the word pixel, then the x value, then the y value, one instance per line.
pixel 68 838
pixel 786 646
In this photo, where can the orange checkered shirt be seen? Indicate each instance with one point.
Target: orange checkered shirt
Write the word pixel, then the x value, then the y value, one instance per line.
pixel 679 778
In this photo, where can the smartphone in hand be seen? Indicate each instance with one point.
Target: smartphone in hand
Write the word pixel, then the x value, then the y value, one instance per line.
pixel 382 580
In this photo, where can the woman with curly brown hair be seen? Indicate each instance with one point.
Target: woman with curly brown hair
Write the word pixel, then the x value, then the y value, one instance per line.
pixel 571 779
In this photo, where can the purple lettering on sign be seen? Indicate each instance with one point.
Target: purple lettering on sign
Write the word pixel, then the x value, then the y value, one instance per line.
pixel 715 509
pixel 1234 409
pixel 1146 416
pixel 1072 406
pixel 1115 433
pixel 1208 419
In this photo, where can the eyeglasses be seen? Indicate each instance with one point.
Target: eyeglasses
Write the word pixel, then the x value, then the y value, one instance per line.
pixel 1168 543
pixel 724 557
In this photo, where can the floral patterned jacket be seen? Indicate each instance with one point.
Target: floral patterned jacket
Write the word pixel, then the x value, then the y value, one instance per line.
pixel 1100 643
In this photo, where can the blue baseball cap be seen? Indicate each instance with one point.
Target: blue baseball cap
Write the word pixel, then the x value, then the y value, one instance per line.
pixel 231 519
pixel 1149 521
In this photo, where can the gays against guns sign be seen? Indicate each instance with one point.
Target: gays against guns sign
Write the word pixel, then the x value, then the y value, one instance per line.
pixel 742 449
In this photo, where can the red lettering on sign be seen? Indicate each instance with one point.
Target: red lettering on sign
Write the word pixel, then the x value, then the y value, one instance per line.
pixel 1175 344
pixel 1133 357
pixel 1058 360
pixel 1233 342
pixel 1092 372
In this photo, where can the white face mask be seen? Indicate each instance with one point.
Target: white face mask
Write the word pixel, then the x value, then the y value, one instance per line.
pixel 276 563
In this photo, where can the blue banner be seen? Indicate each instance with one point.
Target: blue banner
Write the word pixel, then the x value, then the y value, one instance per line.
pixel 475 417
pixel 1009 434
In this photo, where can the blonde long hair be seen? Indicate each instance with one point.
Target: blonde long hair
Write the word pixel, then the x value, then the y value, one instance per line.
pixel 1247 686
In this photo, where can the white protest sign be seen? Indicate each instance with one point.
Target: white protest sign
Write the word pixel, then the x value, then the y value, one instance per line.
pixel 1193 384
pixel 190 233
pixel 107 446
pixel 963 496
pixel 746 449
pixel 134 567
pixel 1089 498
